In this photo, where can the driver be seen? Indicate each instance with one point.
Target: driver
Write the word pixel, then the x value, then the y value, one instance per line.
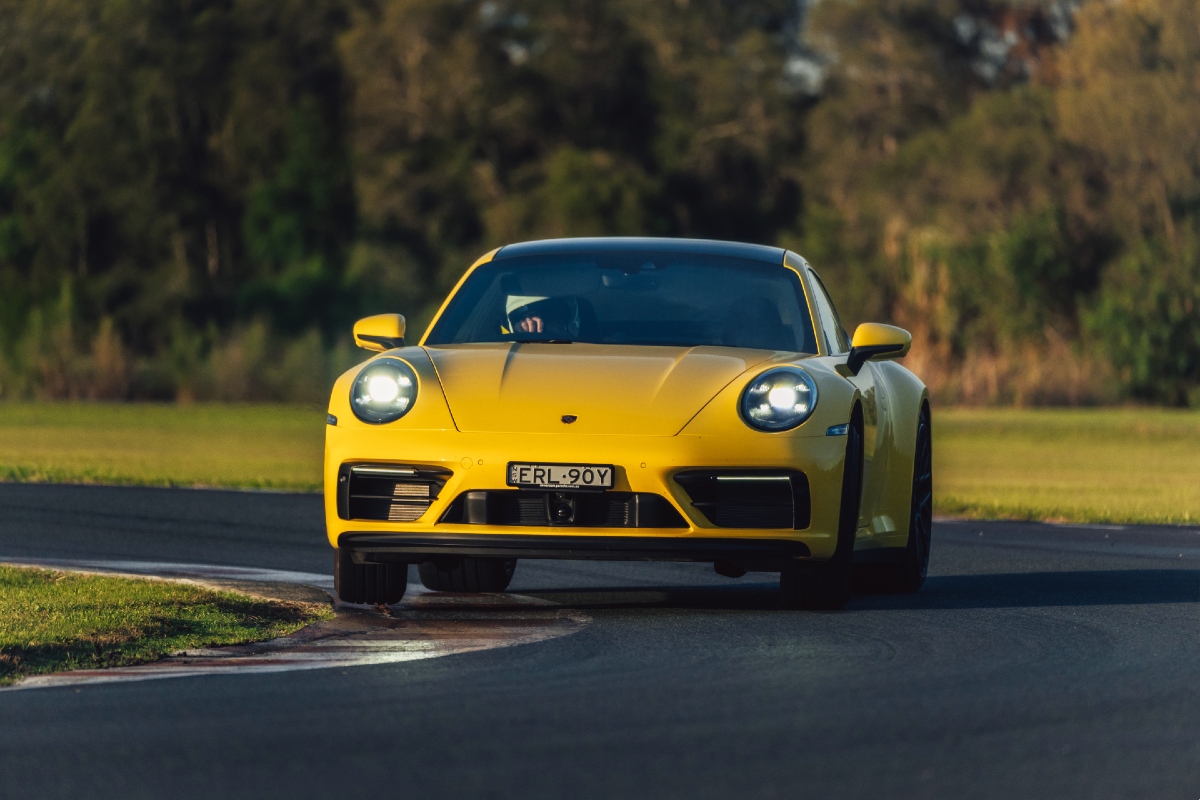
pixel 552 317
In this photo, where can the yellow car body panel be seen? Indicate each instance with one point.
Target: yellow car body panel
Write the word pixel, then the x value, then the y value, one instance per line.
pixel 651 412
pixel 649 391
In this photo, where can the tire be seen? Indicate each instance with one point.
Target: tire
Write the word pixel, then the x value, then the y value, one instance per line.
pixel 912 569
pixel 907 574
pixel 468 575
pixel 827 584
pixel 377 584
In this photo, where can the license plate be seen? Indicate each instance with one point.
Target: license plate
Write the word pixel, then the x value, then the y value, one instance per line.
pixel 560 476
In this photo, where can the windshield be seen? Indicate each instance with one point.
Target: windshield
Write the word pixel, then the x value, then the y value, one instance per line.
pixel 651 298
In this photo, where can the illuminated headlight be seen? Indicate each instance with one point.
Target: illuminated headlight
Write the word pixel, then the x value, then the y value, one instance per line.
pixel 384 391
pixel 779 399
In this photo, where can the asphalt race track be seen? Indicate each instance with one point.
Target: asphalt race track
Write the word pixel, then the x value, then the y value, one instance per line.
pixel 1039 662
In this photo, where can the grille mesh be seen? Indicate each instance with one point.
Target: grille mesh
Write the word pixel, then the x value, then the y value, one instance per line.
pixel 406 512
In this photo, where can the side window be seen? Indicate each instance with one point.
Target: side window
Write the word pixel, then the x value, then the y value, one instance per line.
pixel 831 326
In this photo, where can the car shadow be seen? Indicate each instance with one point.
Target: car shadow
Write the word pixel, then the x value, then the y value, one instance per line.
pixel 1129 587
pixel 1118 587
pixel 759 595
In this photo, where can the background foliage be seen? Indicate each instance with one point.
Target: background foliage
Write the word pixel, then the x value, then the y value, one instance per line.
pixel 198 196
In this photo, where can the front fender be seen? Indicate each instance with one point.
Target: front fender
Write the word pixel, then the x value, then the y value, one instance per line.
pixel 908 394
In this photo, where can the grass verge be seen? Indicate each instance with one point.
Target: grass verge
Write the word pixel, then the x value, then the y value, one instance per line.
pixel 231 446
pixel 53 621
pixel 1079 465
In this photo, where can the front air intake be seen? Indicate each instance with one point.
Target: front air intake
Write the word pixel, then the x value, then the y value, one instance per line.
pixel 570 509
pixel 749 498
pixel 387 493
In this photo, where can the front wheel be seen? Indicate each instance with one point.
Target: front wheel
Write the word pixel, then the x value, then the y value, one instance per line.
pixel 914 566
pixel 827 584
pixel 468 574
pixel 377 584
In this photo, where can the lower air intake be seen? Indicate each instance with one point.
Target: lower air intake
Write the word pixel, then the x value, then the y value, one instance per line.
pixel 387 493
pixel 749 498
pixel 570 509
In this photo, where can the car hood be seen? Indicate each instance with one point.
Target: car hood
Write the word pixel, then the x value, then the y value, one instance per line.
pixel 529 388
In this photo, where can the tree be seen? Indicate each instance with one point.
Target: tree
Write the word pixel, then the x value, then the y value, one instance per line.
pixel 480 123
pixel 1131 98
pixel 172 161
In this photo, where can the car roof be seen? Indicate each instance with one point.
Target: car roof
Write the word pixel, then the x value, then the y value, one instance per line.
pixel 611 244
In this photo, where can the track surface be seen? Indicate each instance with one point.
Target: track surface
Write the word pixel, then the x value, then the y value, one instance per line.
pixel 1039 661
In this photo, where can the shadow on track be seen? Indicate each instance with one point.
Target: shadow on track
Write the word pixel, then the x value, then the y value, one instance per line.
pixel 1005 590
pixel 1119 587
pixel 757 596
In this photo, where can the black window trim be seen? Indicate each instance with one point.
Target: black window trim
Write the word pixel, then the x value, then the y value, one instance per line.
pixel 837 319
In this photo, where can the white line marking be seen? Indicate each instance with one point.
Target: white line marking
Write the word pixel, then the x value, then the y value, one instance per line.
pixel 1088 527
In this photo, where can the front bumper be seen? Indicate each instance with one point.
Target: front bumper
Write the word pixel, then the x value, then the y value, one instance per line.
pixel 748 554
pixel 478 461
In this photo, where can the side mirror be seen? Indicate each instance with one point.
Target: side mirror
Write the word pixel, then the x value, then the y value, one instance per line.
pixel 380 332
pixel 875 342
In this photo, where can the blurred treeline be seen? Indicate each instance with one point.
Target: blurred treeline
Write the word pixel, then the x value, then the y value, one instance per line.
pixel 198 196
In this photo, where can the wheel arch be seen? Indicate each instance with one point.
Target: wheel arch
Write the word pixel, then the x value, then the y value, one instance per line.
pixel 909 395
pixel 858 422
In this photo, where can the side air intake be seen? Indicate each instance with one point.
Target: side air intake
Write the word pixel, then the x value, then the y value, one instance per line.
pixel 387 493
pixel 749 498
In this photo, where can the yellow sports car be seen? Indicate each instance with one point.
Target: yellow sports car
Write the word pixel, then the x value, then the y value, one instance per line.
pixel 630 399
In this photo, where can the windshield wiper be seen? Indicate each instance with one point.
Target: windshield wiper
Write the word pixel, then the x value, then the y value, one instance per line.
pixel 543 341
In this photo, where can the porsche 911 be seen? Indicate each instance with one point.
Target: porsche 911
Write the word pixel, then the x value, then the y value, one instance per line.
pixel 631 399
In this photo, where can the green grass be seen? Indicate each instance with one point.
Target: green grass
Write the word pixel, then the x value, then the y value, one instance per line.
pixel 236 446
pixel 53 621
pixel 1086 465
pixel 1091 465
